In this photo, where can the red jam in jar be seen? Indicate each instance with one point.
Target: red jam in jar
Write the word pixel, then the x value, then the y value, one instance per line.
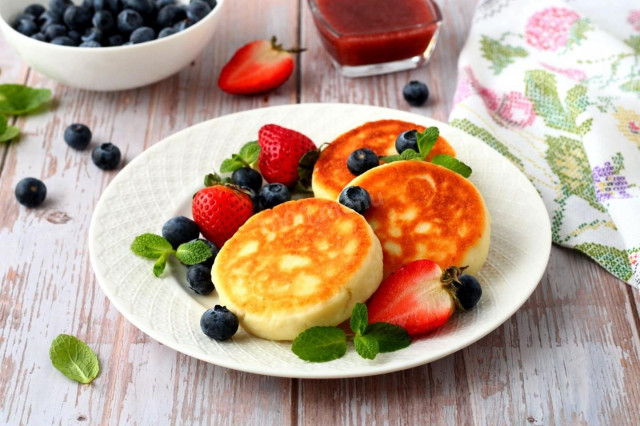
pixel 366 37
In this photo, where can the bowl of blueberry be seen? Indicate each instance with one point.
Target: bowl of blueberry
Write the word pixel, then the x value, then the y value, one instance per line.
pixel 109 44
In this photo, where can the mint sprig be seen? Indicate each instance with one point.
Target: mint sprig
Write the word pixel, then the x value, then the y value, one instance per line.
pixel 245 158
pixel 452 164
pixel 154 246
pixel 73 358
pixel 322 344
pixel 16 99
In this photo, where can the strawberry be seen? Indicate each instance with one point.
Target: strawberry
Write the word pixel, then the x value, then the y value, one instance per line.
pixel 219 211
pixel 257 67
pixel 418 297
pixel 280 152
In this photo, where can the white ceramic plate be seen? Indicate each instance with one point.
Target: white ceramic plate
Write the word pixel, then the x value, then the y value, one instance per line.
pixel 159 184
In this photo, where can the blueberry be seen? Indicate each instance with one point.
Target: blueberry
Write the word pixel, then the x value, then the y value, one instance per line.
pixel 31 192
pixel 182 25
pixel 180 230
pixel 166 32
pixel 219 323
pixel 57 7
pixel 26 27
pixel 407 140
pixel 162 3
pixel 142 35
pixel 361 160
pixel 212 3
pixel 77 17
pixel 77 136
pixel 109 5
pixel 355 198
pixel 35 10
pixel 90 43
pixel 255 198
pixel 197 10
pixel 144 7
pixel 199 279
pixel 106 156
pixel 93 34
pixel 55 30
pixel 248 177
pixel 214 253
pixel 75 36
pixel 169 15
pixel 104 21
pixel 468 291
pixel 129 20
pixel 25 16
pixel 63 41
pixel 415 93
pixel 39 37
pixel 273 194
pixel 47 19
pixel 116 40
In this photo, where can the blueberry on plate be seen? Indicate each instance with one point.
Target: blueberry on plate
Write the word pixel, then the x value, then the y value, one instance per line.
pixel 180 230
pixel 35 10
pixel 166 32
pixel 142 35
pixel 55 30
pixel 129 20
pixel 355 198
pixel 104 21
pixel 25 27
pixel 219 323
pixel 214 253
pixel 361 160
pixel 415 93
pixel 248 177
pixel 468 291
pixel 77 136
pixel 31 192
pixel 58 7
pixel 407 140
pixel 39 37
pixel 199 279
pixel 77 17
pixel 255 198
pixel 106 156
pixel 197 10
pixel 273 194
pixel 63 41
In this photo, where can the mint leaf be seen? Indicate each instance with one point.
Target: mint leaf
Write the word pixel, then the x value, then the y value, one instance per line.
pixel 392 158
pixel 367 346
pixel 427 139
pixel 389 337
pixel 151 246
pixel 452 164
pixel 249 152
pixel 3 124
pixel 409 154
pixel 320 344
pixel 193 252
pixel 73 358
pixel 11 132
pixel 359 318
pixel 16 99
pixel 230 165
pixel 160 265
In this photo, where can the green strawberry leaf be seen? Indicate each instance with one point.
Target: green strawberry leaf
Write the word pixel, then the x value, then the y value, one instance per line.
pixel 367 346
pixel 249 152
pixel 320 344
pixel 160 265
pixel 73 358
pixel 390 337
pixel 230 165
pixel 16 99
pixel 193 252
pixel 151 246
pixel 427 140
pixel 359 318
pixel 452 164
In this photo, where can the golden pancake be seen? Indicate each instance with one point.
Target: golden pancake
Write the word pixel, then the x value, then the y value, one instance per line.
pixel 330 173
pixel 423 211
pixel 301 264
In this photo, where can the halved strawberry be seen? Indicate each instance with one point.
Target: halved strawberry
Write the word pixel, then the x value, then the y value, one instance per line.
pixel 257 67
pixel 280 152
pixel 418 297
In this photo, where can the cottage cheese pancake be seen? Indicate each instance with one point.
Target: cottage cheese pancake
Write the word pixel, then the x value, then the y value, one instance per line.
pixel 302 264
pixel 330 173
pixel 423 211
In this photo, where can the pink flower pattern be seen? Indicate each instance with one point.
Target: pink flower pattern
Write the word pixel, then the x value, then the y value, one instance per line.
pixel 634 19
pixel 572 73
pixel 549 29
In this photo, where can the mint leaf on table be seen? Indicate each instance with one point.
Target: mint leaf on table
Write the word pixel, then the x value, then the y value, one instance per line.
pixel 427 140
pixel 151 246
pixel 245 158
pixel 367 346
pixel 320 344
pixel 10 133
pixel 359 319
pixel 73 358
pixel 16 99
pixel 452 164
pixel 193 252
pixel 390 337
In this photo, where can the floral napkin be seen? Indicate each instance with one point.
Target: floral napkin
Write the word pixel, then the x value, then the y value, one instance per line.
pixel 555 87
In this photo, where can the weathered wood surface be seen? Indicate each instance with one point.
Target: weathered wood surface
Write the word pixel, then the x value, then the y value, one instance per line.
pixel 569 356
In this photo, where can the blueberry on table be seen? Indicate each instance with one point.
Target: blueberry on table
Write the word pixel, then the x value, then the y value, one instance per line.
pixel 415 93
pixel 197 10
pixel 39 37
pixel 25 27
pixel 273 194
pixel 142 35
pixel 58 7
pixel 219 323
pixel 77 17
pixel 63 41
pixel 199 279
pixel 31 192
pixel 129 20
pixel 355 198
pixel 166 32
pixel 35 10
pixel 407 140
pixel 214 252
pixel 468 291
pixel 104 21
pixel 180 230
pixel 106 156
pixel 361 160
pixel 77 136
pixel 55 30
pixel 248 177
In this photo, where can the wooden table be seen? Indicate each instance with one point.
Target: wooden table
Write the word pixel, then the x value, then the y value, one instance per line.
pixel 570 355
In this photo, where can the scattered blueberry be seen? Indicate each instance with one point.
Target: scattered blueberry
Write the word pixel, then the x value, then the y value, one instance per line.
pixel 129 20
pixel 93 34
pixel 214 253
pixel 199 279
pixel 77 17
pixel 77 136
pixel 39 37
pixel 468 291
pixel 58 7
pixel 248 177
pixel 35 10
pixel 104 21
pixel 90 43
pixel 361 160
pixel 106 156
pixel 407 140
pixel 219 323
pixel 355 198
pixel 142 35
pixel 415 93
pixel 55 30
pixel 31 192
pixel 63 41
pixel 273 194
pixel 26 27
pixel 197 10
pixel 166 32
pixel 116 40
pixel 180 230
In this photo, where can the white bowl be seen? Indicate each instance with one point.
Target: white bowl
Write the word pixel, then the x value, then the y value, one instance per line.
pixel 109 68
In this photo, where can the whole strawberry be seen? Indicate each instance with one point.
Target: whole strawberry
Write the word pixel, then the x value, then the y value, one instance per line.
pixel 219 211
pixel 280 153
